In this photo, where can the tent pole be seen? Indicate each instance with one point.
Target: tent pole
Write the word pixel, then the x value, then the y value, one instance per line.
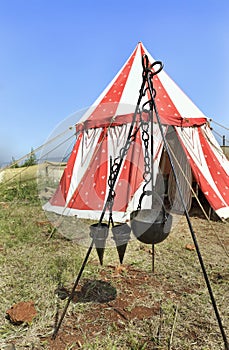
pixel 73 290
pixel 152 177
pixel 207 281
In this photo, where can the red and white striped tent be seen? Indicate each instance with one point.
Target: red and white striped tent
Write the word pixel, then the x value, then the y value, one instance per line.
pixel 103 130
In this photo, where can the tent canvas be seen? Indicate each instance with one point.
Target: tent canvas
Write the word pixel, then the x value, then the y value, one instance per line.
pixel 103 130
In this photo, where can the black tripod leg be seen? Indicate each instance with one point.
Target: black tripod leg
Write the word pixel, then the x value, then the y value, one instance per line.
pixel 73 291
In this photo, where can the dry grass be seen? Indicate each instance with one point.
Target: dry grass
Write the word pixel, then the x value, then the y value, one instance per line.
pixel 18 174
pixel 169 309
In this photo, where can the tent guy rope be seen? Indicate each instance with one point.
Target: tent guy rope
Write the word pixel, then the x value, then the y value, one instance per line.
pixel 39 148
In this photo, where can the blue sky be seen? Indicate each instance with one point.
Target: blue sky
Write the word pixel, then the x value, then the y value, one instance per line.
pixel 57 57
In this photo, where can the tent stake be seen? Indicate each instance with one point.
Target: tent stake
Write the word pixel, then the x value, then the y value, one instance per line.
pixel 73 290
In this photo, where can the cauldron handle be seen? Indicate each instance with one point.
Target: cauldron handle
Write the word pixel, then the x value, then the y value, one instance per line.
pixel 144 193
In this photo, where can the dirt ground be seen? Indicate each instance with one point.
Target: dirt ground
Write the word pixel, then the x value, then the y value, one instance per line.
pixel 116 307
pixel 112 304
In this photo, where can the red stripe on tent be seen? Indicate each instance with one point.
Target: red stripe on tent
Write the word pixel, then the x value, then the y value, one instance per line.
pixel 90 194
pixel 166 108
pixel 109 104
pixel 127 118
pixel 210 194
pixel 59 198
pixel 218 174
pixel 131 175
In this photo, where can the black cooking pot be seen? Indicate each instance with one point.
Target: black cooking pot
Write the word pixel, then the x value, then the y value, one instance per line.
pixel 150 226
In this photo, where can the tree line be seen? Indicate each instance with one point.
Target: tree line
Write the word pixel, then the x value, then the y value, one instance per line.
pixel 31 160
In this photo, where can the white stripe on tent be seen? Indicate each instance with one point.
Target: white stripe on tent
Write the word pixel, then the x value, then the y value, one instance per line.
pixel 83 159
pixel 223 212
pixel 195 150
pixel 182 102
pixel 130 93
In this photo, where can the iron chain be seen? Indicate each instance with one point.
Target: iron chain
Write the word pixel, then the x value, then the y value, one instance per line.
pixel 147 175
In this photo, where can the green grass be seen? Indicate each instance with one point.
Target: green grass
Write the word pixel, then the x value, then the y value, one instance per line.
pixel 33 264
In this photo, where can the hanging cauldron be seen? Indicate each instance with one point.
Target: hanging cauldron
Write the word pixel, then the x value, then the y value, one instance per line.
pixel 151 226
pixel 121 235
pixel 99 233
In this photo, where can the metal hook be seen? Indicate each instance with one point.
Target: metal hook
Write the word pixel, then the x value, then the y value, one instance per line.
pixel 148 67
pixel 155 72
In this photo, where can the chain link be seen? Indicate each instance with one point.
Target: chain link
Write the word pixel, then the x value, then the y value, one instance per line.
pixel 147 175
